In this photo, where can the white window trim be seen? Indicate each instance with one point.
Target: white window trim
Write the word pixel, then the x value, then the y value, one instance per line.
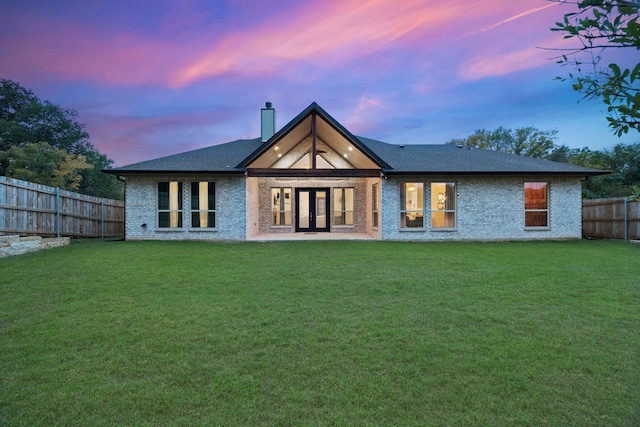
pixel 169 211
pixel 455 211
pixel 525 210
pixel 192 211
pixel 290 211
pixel 409 211
pixel 343 212
pixel 375 208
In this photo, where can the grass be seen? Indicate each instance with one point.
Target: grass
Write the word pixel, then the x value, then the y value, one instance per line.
pixel 321 333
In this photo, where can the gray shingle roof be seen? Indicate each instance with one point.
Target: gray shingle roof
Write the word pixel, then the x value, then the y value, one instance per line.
pixel 232 157
pixel 223 158
pixel 402 159
pixel 451 159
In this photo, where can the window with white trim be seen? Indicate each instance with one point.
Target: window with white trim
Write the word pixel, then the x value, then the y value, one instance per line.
pixel 203 204
pixel 281 206
pixel 443 205
pixel 412 205
pixel 375 202
pixel 343 206
pixel 536 204
pixel 170 204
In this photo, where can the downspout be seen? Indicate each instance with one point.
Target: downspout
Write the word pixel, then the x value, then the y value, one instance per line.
pixel 124 225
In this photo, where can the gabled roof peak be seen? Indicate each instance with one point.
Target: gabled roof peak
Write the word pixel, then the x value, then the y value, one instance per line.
pixel 331 137
pixel 296 129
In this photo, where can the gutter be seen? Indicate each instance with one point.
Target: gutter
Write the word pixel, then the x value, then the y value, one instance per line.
pixel 489 174
pixel 121 172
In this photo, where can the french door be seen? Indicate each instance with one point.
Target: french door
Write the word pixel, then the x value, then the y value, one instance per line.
pixel 312 209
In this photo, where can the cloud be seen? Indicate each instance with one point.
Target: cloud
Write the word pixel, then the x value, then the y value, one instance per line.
pixel 519 42
pixel 328 33
pixel 291 41
pixel 76 51
pixel 362 118
pixel 501 64
pixel 128 139
pixel 518 16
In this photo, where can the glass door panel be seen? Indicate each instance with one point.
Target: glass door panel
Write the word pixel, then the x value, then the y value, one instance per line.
pixel 303 209
pixel 312 205
pixel 321 209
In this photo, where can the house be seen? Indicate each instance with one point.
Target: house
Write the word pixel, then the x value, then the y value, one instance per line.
pixel 313 178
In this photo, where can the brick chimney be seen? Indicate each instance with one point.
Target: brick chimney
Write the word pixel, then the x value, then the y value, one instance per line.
pixel 268 122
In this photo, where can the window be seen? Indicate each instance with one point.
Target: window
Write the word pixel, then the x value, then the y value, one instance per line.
pixel 375 208
pixel 343 206
pixel 305 162
pixel 281 206
pixel 412 205
pixel 536 204
pixel 203 204
pixel 443 204
pixel 170 204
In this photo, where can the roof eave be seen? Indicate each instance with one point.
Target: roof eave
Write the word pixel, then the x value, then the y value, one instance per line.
pixel 493 173
pixel 352 138
pixel 276 137
pixel 175 172
pixel 313 107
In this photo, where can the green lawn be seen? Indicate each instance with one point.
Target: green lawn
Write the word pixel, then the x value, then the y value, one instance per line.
pixel 321 333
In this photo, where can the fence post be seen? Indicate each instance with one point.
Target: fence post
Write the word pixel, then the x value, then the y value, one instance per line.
pixel 102 219
pixel 626 219
pixel 57 211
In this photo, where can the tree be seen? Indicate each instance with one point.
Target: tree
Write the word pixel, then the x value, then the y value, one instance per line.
pixel 43 164
pixel 599 27
pixel 623 160
pixel 24 119
pixel 527 141
pixel 95 182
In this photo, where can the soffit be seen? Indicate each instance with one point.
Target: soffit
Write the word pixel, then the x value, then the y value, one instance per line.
pixel 299 137
pixel 343 146
pixel 284 145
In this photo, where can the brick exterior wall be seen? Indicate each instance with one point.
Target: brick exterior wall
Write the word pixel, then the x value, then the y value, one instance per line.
pixel 488 209
pixel 259 203
pixel 142 208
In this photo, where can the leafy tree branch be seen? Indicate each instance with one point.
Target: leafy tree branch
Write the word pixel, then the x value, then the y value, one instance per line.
pixel 43 164
pixel 599 26
pixel 25 120
pixel 623 160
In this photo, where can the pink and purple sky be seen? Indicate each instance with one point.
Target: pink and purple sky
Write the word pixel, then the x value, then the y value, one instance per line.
pixel 153 78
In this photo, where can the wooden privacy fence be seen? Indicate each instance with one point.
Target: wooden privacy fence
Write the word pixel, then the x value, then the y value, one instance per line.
pixel 611 218
pixel 33 209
